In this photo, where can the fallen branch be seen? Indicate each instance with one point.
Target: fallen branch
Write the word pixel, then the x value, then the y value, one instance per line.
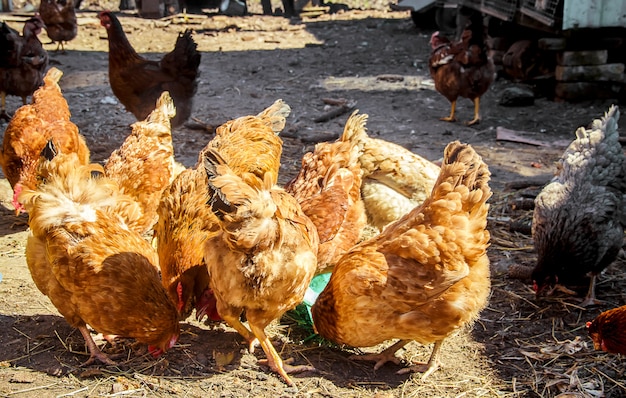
pixel 333 113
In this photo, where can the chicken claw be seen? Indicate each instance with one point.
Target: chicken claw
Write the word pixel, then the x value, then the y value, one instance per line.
pixel 382 358
pixel 427 368
pixel 95 353
pixel 450 118
pixel 290 369
pixel 476 118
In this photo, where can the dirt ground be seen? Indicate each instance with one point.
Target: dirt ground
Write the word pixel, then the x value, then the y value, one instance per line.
pixel 377 58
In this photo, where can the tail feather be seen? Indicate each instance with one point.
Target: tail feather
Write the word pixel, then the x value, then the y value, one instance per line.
pixel 164 111
pixel 276 114
pixel 184 59
pixel 355 129
pixel 53 76
pixel 220 205
pixel 462 166
pixel 594 149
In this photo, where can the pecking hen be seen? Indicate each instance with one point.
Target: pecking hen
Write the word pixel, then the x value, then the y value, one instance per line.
pixel 81 255
pixel 249 144
pixel 32 126
pixel 462 68
pixel 23 62
pixel 579 217
pixel 423 277
pixel 264 257
pixel 608 331
pixel 395 180
pixel 143 166
pixel 138 82
pixel 328 189
pixel 59 17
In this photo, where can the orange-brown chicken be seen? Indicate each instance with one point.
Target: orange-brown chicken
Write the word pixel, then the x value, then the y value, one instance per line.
pixel 608 331
pixel 395 180
pixel 184 224
pixel 264 257
pixel 249 144
pixel 94 269
pixel 143 166
pixel 48 117
pixel 137 82
pixel 328 189
pixel 463 68
pixel 59 16
pixel 23 61
pixel 423 277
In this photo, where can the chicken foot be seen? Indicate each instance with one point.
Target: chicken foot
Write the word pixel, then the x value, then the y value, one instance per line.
pixel 388 355
pixel 590 298
pixel 94 351
pixel 426 368
pixel 450 118
pixel 476 118
pixel 273 359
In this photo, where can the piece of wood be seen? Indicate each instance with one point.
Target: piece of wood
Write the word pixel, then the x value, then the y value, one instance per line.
pixel 572 58
pixel 587 90
pixel 536 181
pixel 504 134
pixel 336 112
pixel 552 43
pixel 590 73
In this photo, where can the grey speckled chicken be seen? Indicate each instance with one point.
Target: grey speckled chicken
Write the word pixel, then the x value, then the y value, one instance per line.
pixel 579 217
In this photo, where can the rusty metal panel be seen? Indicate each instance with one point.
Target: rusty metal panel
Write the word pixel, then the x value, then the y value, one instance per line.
pixel 594 14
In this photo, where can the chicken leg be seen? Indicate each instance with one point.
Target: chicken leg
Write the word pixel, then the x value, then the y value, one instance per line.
pixel 235 323
pixel 95 353
pixel 427 368
pixel 476 118
pixel 388 355
pixel 273 359
pixel 450 118
pixel 591 299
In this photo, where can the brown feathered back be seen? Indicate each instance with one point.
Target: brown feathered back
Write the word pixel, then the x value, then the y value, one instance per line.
pixel 328 189
pixel 48 117
pixel 425 275
pixel 250 144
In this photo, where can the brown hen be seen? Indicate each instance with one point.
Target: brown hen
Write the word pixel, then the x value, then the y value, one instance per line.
pixel 92 267
pixel 249 144
pixel 395 180
pixel 144 164
pixel 608 331
pixel 463 68
pixel 138 82
pixel 32 126
pixel 23 61
pixel 264 257
pixel 59 16
pixel 328 190
pixel 423 277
